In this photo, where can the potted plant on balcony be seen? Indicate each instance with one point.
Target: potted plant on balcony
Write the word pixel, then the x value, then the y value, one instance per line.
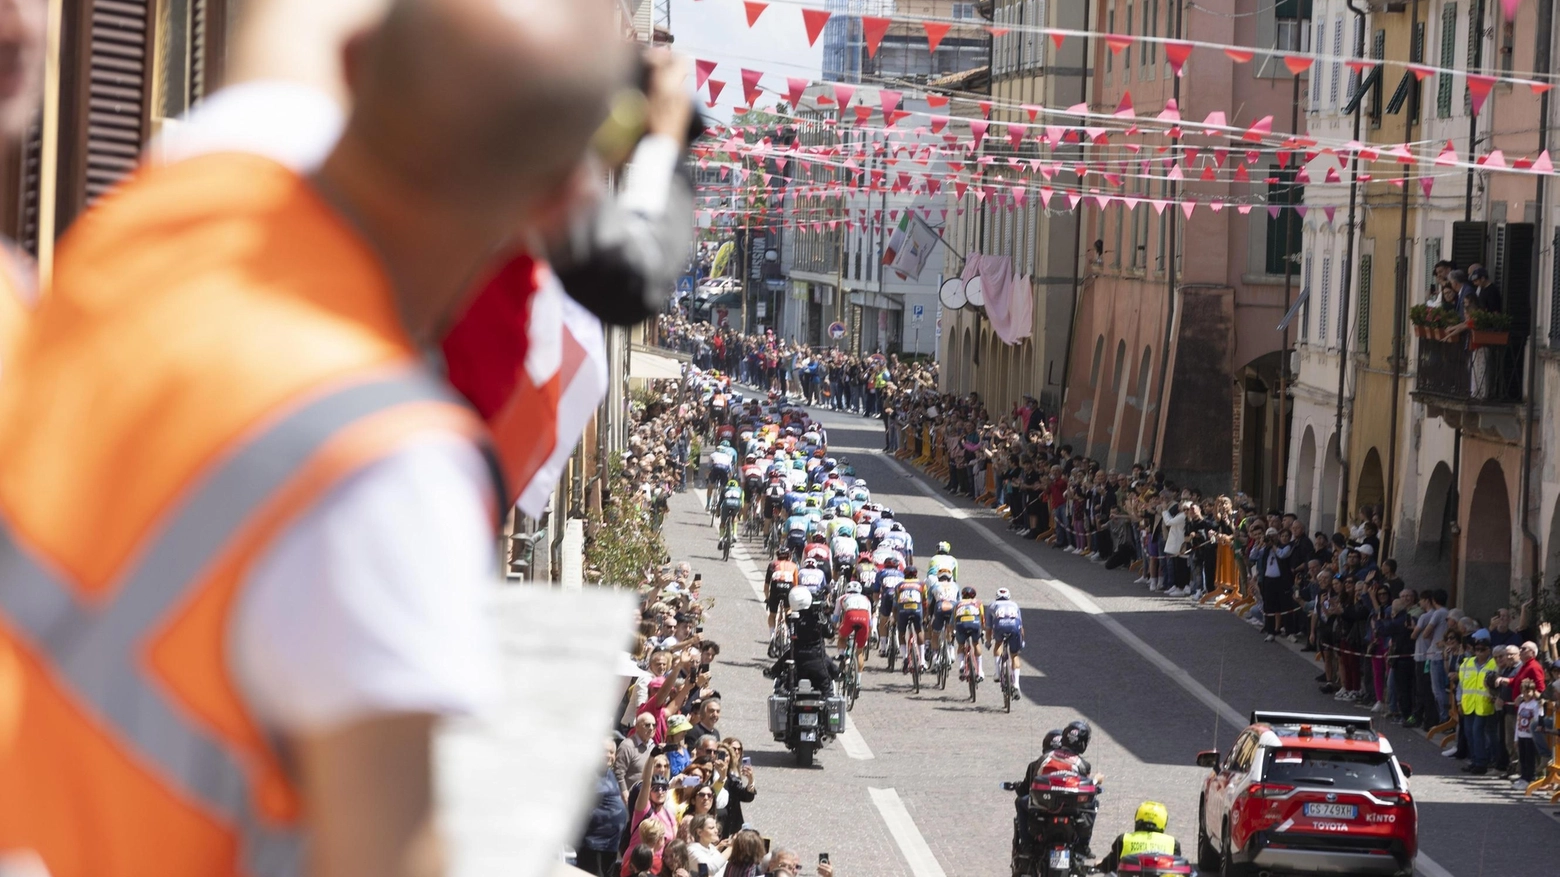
pixel 1430 322
pixel 1490 329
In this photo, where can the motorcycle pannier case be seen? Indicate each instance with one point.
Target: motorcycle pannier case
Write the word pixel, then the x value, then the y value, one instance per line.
pixel 779 715
pixel 836 708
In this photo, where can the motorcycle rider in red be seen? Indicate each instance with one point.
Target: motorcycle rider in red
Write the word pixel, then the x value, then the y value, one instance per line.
pixel 1063 751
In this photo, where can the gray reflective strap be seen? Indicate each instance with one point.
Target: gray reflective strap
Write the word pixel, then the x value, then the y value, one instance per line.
pixel 97 647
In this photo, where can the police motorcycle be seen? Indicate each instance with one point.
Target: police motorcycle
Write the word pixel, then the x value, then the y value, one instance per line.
pixel 1055 803
pixel 800 714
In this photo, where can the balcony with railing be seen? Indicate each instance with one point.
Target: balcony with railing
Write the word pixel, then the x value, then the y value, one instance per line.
pixel 1473 381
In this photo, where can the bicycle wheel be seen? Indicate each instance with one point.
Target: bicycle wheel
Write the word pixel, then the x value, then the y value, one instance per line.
pixel 1005 672
pixel 942 667
pixel 914 650
pixel 852 688
pixel 893 650
pixel 728 535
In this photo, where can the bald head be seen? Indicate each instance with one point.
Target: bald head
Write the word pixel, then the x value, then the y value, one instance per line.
pixel 485 103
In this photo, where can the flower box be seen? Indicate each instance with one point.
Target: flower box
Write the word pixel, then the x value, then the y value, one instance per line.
pixel 1489 338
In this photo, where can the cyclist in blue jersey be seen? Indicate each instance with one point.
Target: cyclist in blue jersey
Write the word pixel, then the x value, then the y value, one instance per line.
pixel 969 618
pixel 887 583
pixel 1005 624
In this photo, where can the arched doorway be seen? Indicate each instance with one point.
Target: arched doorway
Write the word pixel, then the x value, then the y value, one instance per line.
pixel 966 363
pixel 1487 545
pixel 1094 367
pixel 1434 537
pixel 1327 496
pixel 1302 489
pixel 1551 569
pixel 1371 489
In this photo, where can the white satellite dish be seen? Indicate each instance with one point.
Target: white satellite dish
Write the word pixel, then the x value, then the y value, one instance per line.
pixel 975 292
pixel 952 294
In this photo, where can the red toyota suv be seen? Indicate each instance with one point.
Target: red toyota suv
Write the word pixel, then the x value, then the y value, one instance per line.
pixel 1306 794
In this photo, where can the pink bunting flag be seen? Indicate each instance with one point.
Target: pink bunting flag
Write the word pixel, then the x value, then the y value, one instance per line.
pixel 701 72
pixel 1117 42
pixel 1495 160
pixel 890 101
pixel 843 94
pixel 935 31
pixel 1479 89
pixel 754 10
pixel 1273 210
pixel 1240 56
pixel 1171 112
pixel 938 123
pixel 1020 195
pixel 1332 176
pixel 978 130
pixel 1297 64
pixel 1329 211
pixel 1262 128
pixel 1542 164
pixel 1188 206
pixel 1509 8
pixel 1176 53
pixel 815 19
pixel 715 86
pixel 1216 119
pixel 1243 209
pixel 1124 108
pixel 1302 210
pixel 1427 183
pixel 750 89
pixel 1045 196
pixel 1072 200
pixel 796 86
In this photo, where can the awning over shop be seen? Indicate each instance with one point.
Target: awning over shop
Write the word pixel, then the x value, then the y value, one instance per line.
pixel 652 366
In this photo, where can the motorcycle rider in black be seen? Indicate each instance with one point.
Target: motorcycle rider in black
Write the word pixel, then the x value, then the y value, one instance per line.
pixel 809 636
pixel 1064 746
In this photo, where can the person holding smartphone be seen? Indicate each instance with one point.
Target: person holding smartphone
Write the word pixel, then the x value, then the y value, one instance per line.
pixel 709 853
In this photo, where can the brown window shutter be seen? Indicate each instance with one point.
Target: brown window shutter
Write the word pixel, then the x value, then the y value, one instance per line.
pixel 118 94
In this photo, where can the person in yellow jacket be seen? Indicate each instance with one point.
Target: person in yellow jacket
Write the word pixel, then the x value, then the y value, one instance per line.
pixel 1478 705
pixel 245 529
pixel 1147 836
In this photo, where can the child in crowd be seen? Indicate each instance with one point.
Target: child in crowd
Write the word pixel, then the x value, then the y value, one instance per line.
pixel 1530 715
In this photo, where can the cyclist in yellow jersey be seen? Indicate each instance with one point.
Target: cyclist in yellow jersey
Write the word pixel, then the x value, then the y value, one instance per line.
pixel 910 608
pixel 941 561
pixel 969 621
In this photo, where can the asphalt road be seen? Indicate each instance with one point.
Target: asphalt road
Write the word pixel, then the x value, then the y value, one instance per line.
pixel 913 788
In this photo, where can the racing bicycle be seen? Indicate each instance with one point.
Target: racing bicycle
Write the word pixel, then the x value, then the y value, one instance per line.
pixel 942 659
pixel 779 637
pixel 971 665
pixel 1005 676
pixel 851 677
pixel 728 533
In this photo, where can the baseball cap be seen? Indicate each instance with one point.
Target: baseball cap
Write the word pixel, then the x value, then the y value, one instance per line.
pixel 1366 550
pixel 679 724
pixel 1480 636
pixel 1272 531
pixel 1479 273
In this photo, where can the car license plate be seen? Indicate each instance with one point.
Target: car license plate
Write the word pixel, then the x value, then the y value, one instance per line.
pixel 807 720
pixel 1061 859
pixel 1331 811
pixel 809 736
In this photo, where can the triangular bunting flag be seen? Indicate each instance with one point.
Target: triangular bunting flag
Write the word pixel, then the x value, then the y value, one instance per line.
pixel 1117 42
pixel 1297 64
pixel 1420 71
pixel 1273 210
pixel 872 30
pixel 936 101
pixel 815 19
pixel 750 89
pixel 985 108
pixel 843 94
pixel 1542 164
pixel 795 87
pixel 1479 89
pixel 1058 38
pixel 1187 207
pixel 1176 54
pixel 935 31
pixel 1240 56
pixel 1262 128
pixel 1124 108
pixel 701 72
pixel 1427 183
pixel 715 86
pixel 1509 8
pixel 938 123
pixel 1329 211
pixel 890 101
pixel 754 10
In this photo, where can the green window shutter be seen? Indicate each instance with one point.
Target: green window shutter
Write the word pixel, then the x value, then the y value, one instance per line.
pixel 1362 329
pixel 1443 83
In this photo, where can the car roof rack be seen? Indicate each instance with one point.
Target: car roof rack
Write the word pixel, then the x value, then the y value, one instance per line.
pixel 1351 725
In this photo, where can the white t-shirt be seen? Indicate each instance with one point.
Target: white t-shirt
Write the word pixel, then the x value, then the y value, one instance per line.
pixel 373 602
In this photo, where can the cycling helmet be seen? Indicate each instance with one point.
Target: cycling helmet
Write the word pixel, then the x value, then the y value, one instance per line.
pixel 818 538
pixel 865 556
pixel 1151 816
pixel 798 464
pixel 892 561
pixel 1076 736
pixel 896 526
pixel 910 572
pixel 944 548
pixel 810 563
pixel 1004 594
pixel 1052 739
pixel 853 588
pixel 888 513
pixel 752 457
pixel 800 599
pixel 725 443
pixel 828 514
pixel 968 593
pixel 944 576
pixel 829 463
pixel 783 553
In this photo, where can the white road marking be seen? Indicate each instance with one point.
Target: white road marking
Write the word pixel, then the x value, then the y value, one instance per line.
pixel 855 744
pixel 1425 865
pixel 906 835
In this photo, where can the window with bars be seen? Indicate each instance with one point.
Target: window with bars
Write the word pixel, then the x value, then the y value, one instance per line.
pixel 1336 72
pixel 1305 309
pixel 1362 318
pixel 1126 54
pixel 1443 81
pixel 1323 332
pixel 1110 27
pixel 1316 80
pixel 1354 75
pixel 1149 49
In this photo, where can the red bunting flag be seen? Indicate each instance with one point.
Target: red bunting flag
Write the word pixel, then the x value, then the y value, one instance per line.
pixel 1124 108
pixel 1421 72
pixel 1540 87
pixel 1262 128
pixel 1176 54
pixel 1032 110
pixel 935 31
pixel 750 89
pixel 795 88
pixel 1297 64
pixel 872 29
pixel 842 95
pixel 936 100
pixel 715 86
pixel 1479 89
pixel 701 72
pixel 1117 42
pixel 938 123
pixel 985 108
pixel 815 19
pixel 754 10
pixel 1057 38
pixel 890 100
pixel 1240 56
pixel 978 130
pixel 1359 66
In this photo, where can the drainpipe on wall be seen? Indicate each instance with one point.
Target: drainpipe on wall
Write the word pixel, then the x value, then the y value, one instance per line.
pixel 1541 63
pixel 1348 275
pixel 1085 71
pixel 1170 266
pixel 1399 299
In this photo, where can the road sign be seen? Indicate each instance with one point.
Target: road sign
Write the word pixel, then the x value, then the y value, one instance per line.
pixel 918 311
pixel 836 330
pixel 685 285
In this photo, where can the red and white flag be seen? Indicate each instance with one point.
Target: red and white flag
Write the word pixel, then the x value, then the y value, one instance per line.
pixel 534 363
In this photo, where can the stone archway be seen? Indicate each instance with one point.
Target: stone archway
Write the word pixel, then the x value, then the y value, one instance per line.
pixel 1371 488
pixel 1303 489
pixel 1551 568
pixel 1327 495
pixel 1487 545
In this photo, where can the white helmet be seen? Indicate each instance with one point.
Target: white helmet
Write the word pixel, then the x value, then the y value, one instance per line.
pixel 800 599
pixel 1003 594
pixel 897 527
pixel 853 588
